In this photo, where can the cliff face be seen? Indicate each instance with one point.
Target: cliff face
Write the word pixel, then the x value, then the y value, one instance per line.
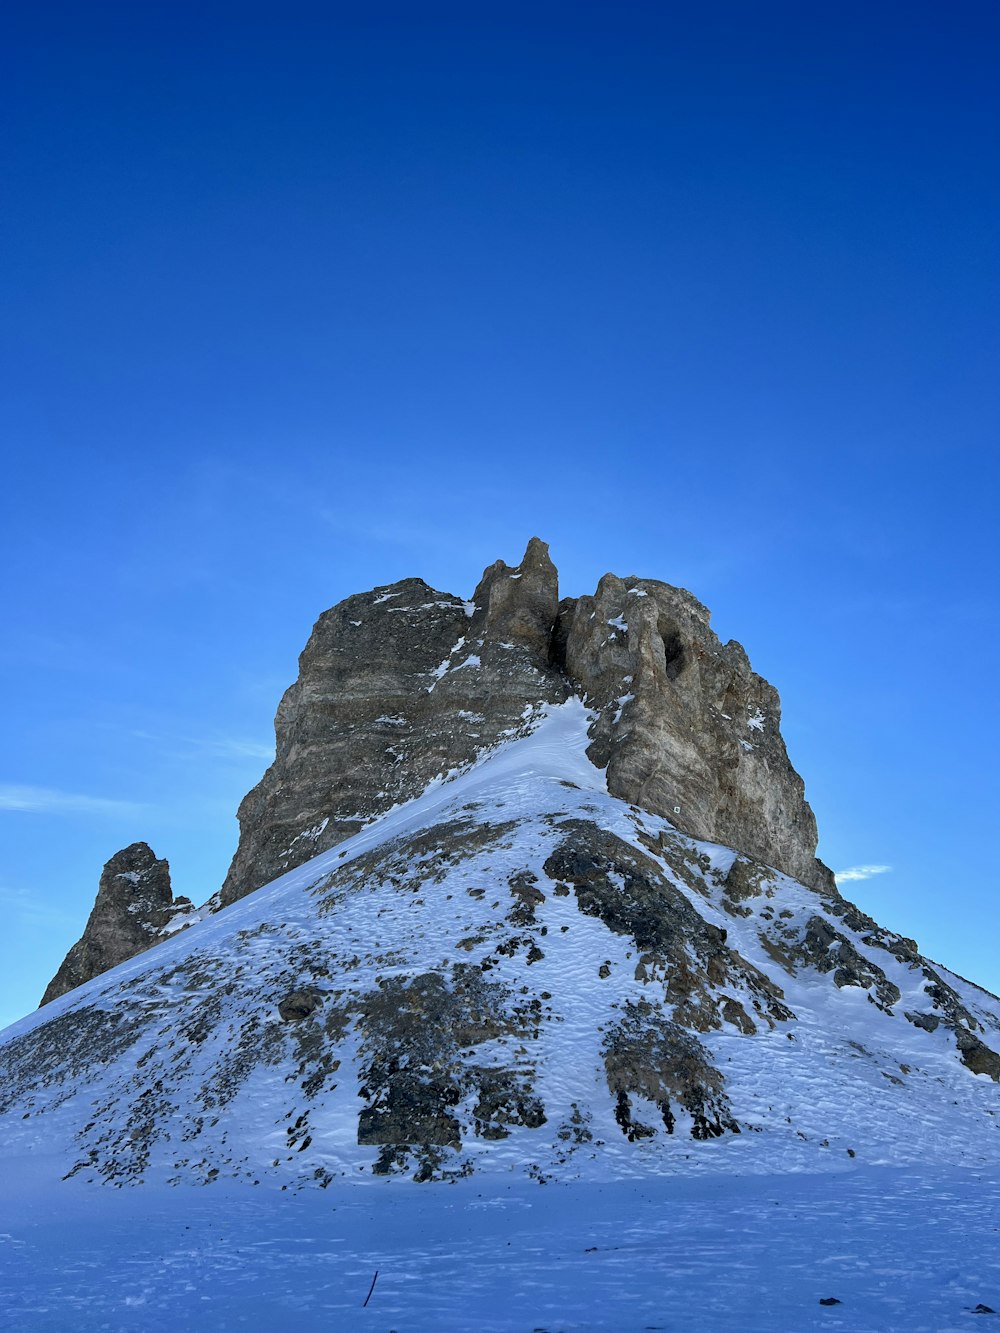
pixel 685 728
pixel 134 905
pixel 396 687
pixel 404 683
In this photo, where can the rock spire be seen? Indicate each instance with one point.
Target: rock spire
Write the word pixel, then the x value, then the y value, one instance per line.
pixel 134 904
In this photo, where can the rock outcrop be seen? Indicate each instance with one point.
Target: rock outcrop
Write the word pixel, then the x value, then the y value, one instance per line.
pixel 397 686
pixel 686 729
pixel 404 683
pixel 134 905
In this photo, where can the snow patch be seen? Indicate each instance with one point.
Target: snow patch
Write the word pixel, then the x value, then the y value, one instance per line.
pixel 623 701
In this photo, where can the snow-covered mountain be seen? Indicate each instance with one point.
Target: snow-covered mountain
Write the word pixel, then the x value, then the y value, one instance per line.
pixel 520 954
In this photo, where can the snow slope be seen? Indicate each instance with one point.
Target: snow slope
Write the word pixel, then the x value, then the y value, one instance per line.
pixel 178 1066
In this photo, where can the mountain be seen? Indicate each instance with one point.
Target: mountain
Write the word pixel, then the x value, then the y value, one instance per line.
pixel 403 684
pixel 530 887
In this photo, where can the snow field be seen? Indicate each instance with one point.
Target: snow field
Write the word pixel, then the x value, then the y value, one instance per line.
pixel 900 1250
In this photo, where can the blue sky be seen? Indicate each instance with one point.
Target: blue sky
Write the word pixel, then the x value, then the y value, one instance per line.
pixel 296 300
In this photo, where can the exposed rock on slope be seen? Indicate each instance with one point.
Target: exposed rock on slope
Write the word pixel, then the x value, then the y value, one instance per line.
pixel 134 906
pixel 517 972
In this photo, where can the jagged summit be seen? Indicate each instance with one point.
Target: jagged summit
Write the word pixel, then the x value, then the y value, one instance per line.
pixel 535 892
pixel 402 684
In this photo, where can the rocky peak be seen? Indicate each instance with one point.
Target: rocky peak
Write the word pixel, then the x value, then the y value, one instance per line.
pixel 576 954
pixel 402 684
pixel 133 906
pixel 396 687
pixel 405 684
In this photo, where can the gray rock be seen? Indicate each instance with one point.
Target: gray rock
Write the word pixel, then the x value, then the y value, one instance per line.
pixel 828 950
pixel 299 1004
pixel 395 687
pixel 647 1055
pixel 401 684
pixel 134 902
pixel 686 728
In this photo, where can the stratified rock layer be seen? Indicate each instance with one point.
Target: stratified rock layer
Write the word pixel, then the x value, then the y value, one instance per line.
pixel 686 729
pixel 396 687
pixel 134 903
pixel 402 684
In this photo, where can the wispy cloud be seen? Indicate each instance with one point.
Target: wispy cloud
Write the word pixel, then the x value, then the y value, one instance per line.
pixel 46 800
pixel 219 747
pixel 33 910
pixel 859 872
pixel 234 748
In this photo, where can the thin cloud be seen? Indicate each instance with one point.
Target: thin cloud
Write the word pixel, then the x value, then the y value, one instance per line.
pixel 859 872
pixel 221 747
pixel 34 910
pixel 233 747
pixel 48 801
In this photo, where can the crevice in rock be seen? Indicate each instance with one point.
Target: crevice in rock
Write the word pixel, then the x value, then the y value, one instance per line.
pixel 675 656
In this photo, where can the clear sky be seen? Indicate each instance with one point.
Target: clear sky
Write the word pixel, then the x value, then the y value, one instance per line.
pixel 299 299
